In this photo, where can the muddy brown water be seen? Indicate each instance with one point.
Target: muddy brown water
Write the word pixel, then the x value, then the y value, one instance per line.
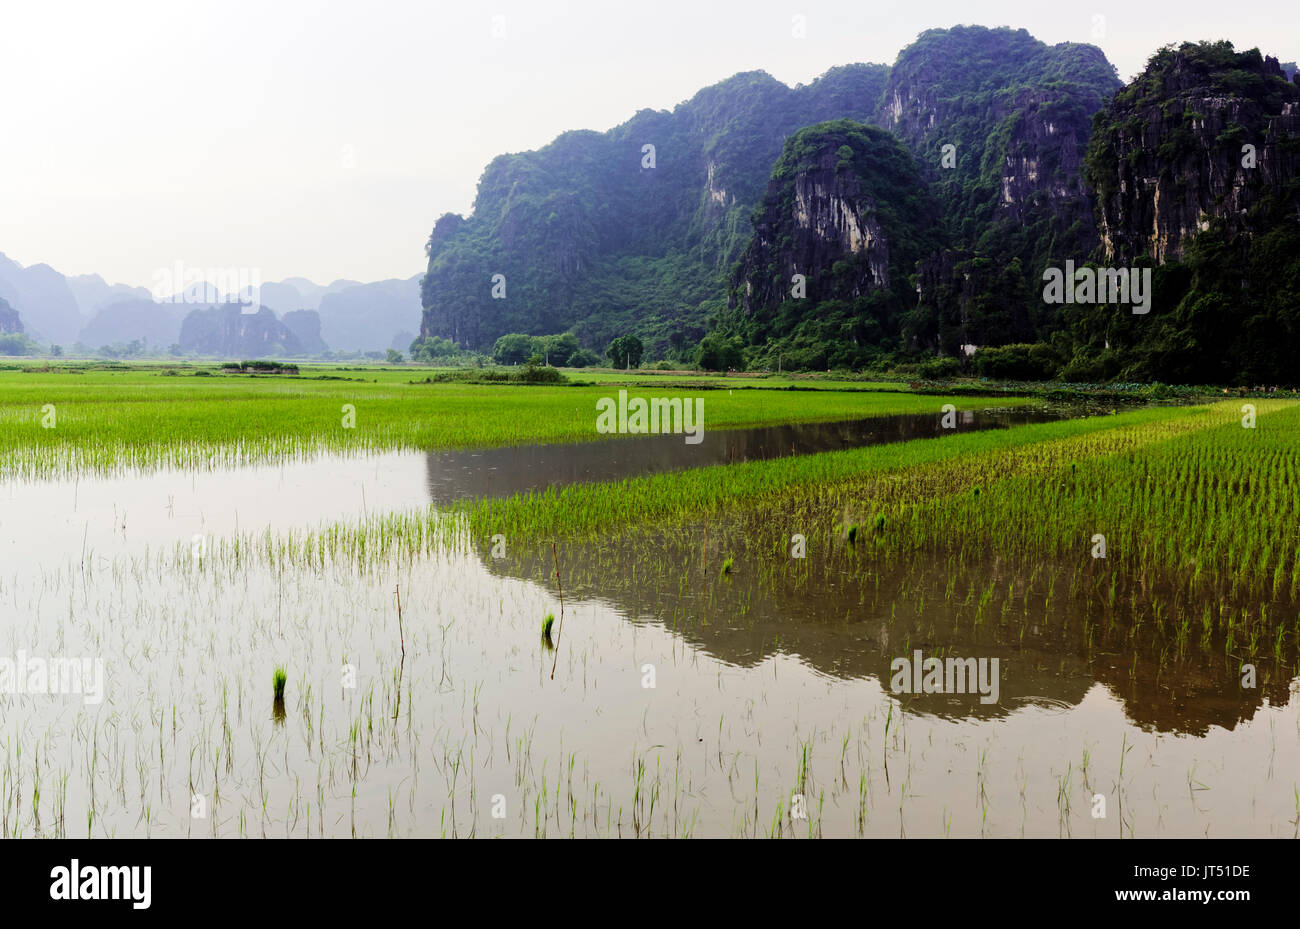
pixel 847 613
pixel 495 472
pixel 673 700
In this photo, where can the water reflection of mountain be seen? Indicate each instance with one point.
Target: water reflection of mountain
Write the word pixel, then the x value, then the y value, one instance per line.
pixel 842 618
pixel 494 472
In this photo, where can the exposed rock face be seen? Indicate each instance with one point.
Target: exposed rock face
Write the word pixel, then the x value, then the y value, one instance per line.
pixel 833 216
pixel 1042 162
pixel 1030 144
pixel 716 194
pixel 847 208
pixel 808 221
pixel 1206 133
pixel 225 332
pixel 1017 112
pixel 10 323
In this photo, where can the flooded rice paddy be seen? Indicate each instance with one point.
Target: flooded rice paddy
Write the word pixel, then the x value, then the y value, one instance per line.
pixel 100 516
pixel 698 681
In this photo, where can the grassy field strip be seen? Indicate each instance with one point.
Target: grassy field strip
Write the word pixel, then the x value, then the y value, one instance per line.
pixel 650 377
pixel 52 425
pixel 873 477
pixel 406 373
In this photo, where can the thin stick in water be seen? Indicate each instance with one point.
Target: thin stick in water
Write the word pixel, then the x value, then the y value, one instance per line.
pixel 560 586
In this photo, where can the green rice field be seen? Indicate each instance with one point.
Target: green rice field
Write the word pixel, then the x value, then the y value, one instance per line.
pixel 472 614
pixel 196 416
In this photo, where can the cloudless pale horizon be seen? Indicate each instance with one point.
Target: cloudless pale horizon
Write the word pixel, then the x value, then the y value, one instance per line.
pixel 323 139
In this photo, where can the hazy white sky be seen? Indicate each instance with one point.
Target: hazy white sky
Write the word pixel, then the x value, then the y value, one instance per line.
pixel 323 139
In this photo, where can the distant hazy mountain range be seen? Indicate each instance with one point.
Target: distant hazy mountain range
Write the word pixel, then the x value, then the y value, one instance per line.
pixel 297 316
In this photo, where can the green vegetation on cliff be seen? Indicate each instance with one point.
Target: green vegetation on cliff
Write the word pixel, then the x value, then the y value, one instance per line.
pixel 601 235
pixel 1196 165
pixel 762 226
pixel 848 210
